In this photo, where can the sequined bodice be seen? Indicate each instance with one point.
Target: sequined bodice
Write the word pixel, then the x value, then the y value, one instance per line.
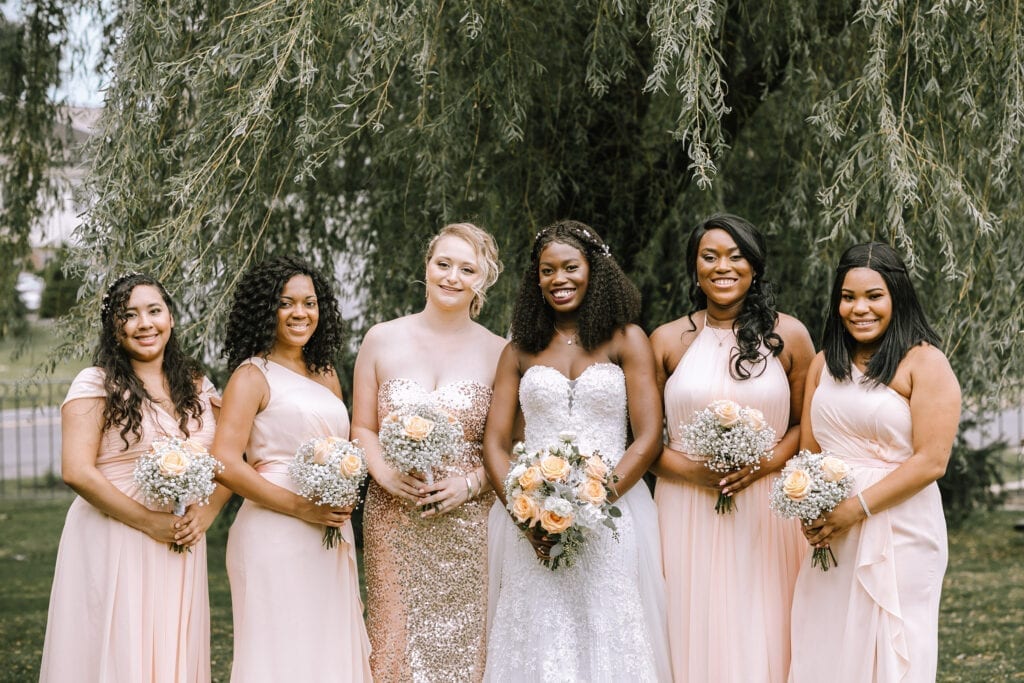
pixel 466 400
pixel 593 406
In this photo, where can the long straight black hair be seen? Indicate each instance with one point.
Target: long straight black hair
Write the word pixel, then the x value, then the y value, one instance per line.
pixel 907 326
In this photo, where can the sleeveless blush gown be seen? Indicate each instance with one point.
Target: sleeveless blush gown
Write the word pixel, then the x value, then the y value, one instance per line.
pixel 729 576
pixel 875 617
pixel 426 579
pixel 296 608
pixel 125 607
pixel 602 619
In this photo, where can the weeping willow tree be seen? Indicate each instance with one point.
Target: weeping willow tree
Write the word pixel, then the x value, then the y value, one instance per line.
pixel 348 132
pixel 30 53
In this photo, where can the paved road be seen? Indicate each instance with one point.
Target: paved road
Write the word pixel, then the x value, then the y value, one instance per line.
pixel 29 442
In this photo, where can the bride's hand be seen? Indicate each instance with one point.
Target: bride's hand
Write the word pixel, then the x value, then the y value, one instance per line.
pixel 448 494
pixel 399 485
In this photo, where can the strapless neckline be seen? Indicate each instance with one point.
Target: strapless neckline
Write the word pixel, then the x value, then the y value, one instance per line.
pixel 439 387
pixel 571 380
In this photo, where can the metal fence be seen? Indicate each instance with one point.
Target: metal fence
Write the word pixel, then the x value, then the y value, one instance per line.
pixel 30 438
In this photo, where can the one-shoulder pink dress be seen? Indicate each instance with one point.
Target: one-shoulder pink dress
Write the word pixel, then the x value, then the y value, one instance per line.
pixel 875 617
pixel 124 606
pixel 297 613
pixel 729 576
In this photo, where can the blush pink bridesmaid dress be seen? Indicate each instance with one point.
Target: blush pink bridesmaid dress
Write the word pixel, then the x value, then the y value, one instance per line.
pixel 729 576
pixel 125 607
pixel 875 617
pixel 297 613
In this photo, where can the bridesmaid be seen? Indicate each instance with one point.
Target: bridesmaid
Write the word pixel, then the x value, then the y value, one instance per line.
pixel 882 396
pixel 296 608
pixel 124 606
pixel 730 576
pixel 426 569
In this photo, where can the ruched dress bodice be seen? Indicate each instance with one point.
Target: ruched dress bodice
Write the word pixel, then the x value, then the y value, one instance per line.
pixel 874 617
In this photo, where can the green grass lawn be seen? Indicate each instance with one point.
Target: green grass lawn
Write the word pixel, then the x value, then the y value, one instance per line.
pixel 981 628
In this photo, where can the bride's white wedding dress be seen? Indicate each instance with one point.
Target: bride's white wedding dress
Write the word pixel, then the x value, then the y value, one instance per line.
pixel 603 618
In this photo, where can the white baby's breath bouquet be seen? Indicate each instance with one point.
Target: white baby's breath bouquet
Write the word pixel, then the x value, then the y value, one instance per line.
pixel 329 471
pixel 177 472
pixel 562 491
pixel 729 437
pixel 812 484
pixel 415 439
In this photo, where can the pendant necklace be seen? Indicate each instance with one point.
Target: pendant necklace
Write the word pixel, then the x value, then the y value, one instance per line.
pixel 570 340
pixel 714 331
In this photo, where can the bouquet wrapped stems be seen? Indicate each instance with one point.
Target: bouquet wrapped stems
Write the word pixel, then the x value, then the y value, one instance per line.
pixel 823 558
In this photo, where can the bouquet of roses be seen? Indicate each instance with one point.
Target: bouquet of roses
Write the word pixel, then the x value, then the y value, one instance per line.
pixel 563 491
pixel 812 484
pixel 176 472
pixel 730 438
pixel 416 439
pixel 329 471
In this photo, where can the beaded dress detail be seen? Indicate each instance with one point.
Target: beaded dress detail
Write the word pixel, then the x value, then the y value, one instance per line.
pixel 426 579
pixel 602 618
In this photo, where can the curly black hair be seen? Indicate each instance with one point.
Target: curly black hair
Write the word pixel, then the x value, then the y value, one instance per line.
pixel 252 323
pixel 125 391
pixel 611 301
pixel 908 326
pixel 755 325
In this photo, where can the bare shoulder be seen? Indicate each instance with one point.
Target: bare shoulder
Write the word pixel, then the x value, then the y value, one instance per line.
pixel 925 360
pixel 493 342
pixel 791 329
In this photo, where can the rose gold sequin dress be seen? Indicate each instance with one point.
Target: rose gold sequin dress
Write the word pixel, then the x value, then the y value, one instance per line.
pixel 426 579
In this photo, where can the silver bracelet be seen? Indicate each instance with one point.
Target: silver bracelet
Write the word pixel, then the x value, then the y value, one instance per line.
pixel 469 488
pixel 863 504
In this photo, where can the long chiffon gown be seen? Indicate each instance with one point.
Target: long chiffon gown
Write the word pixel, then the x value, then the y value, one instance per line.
pixel 729 576
pixel 426 579
pixel 601 619
pixel 296 607
pixel 124 606
pixel 874 618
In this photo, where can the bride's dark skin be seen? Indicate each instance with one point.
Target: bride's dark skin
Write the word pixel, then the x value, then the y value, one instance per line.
pixel 563 276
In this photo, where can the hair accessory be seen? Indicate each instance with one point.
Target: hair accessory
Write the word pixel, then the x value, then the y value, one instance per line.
pixel 105 303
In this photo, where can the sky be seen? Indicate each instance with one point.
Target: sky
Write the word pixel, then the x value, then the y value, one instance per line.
pixel 81 85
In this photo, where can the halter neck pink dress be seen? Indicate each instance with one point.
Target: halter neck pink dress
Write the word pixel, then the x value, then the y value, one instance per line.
pixel 124 606
pixel 875 617
pixel 297 613
pixel 730 576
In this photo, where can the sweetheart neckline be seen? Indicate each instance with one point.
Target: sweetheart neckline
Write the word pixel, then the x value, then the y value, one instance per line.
pixel 438 387
pixel 577 377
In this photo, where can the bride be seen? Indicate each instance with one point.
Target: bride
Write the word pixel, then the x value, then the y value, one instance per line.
pixel 577 363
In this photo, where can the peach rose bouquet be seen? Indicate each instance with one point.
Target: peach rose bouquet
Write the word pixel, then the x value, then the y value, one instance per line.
pixel 729 437
pixel 809 485
pixel 562 493
pixel 176 473
pixel 415 439
pixel 329 470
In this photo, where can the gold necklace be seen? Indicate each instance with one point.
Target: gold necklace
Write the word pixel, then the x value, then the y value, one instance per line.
pixel 570 340
pixel 714 331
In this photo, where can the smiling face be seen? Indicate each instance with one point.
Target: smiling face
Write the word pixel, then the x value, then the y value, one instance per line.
pixel 452 272
pixel 563 274
pixel 865 306
pixel 297 312
pixel 723 273
pixel 146 324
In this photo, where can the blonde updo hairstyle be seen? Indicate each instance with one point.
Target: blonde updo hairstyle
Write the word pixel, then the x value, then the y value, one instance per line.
pixel 486 251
